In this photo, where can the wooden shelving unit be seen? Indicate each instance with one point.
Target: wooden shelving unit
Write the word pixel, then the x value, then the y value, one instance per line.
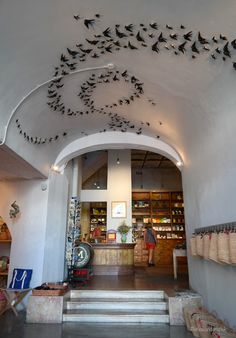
pixel 98 216
pixel 165 210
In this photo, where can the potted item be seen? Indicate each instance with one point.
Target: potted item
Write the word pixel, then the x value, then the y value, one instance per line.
pixel 123 230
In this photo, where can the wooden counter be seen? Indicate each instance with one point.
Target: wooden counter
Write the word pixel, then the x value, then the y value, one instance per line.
pixel 113 259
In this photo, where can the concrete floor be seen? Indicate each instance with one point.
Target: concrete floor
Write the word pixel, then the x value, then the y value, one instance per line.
pixel 15 327
pixel 143 279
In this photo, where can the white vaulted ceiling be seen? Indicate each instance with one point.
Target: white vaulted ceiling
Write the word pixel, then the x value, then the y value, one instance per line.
pixel 179 91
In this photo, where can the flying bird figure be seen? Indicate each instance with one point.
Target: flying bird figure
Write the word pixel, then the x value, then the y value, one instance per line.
pixel 129 27
pixel 155 47
pixel 226 50
pixel 202 40
pixel 131 46
pixel 64 58
pixel 73 53
pixel 161 38
pixel 188 36
pixel 222 37
pixel 139 37
pixel 194 48
pixel 76 17
pixel 214 39
pixel 107 32
pixel 120 34
pixel 92 42
pixel 181 47
pixel 89 23
pixel 174 36
pixel 233 43
pixel 153 25
pixel 169 27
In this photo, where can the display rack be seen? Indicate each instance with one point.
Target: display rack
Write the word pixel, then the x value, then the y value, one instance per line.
pixel 165 210
pixel 98 216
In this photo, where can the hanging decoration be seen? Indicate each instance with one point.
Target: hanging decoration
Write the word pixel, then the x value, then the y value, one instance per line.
pixel 14 211
pixel 155 38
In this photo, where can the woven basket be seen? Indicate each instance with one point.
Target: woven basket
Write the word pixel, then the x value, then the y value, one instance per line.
pixel 213 249
pixel 199 244
pixel 48 292
pixel 223 247
pixel 232 247
pixel 193 248
pixel 206 246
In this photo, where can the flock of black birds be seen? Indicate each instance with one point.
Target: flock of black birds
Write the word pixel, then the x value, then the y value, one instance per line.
pixel 177 40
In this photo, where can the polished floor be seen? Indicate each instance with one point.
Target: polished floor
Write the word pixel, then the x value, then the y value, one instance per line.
pixel 144 279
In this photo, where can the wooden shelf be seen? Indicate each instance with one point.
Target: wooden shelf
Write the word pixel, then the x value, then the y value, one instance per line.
pixel 5 240
pixel 160 205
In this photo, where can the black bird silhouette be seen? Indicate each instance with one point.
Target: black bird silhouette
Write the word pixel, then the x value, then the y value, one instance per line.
pixel 97 15
pixel 214 39
pixel 161 38
pixel 107 32
pixel 124 74
pixel 64 58
pixel 153 25
pixel 77 17
pixel 174 36
pixel 92 42
pixel 109 49
pixel 89 22
pixel 202 40
pixel 226 51
pixel 86 51
pixel 169 27
pixel 188 36
pixel 129 27
pixel 131 46
pixel 73 53
pixel 194 48
pixel 182 26
pixel 218 50
pixel 181 47
pixel 213 56
pixel 233 43
pixel 139 37
pixel 155 47
pixel 95 56
pixel 120 34
pixel 151 35
pixel 222 37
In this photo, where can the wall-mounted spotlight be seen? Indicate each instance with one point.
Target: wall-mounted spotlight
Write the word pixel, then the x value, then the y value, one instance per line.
pixel 117 160
pixel 179 164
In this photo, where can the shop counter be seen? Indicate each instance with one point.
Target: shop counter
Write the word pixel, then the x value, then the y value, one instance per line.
pixel 113 259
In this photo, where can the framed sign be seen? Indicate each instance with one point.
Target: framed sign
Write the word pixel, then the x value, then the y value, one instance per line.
pixel 118 209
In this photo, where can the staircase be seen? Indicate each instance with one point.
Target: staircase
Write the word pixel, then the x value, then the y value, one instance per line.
pixel 106 306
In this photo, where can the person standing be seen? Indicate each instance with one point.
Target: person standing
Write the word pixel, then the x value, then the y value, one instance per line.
pixel 151 241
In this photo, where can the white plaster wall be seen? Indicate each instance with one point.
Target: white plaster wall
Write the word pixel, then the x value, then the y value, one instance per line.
pixel 118 188
pixel 28 228
pixel 157 179
pixel 54 254
pixel 209 186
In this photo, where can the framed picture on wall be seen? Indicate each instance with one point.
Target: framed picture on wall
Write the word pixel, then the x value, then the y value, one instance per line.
pixel 118 209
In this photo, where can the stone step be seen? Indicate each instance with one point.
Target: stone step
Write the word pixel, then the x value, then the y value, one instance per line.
pixel 125 294
pixel 116 304
pixel 103 316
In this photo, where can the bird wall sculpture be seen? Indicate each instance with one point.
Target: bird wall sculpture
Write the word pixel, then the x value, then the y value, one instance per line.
pixel 153 37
